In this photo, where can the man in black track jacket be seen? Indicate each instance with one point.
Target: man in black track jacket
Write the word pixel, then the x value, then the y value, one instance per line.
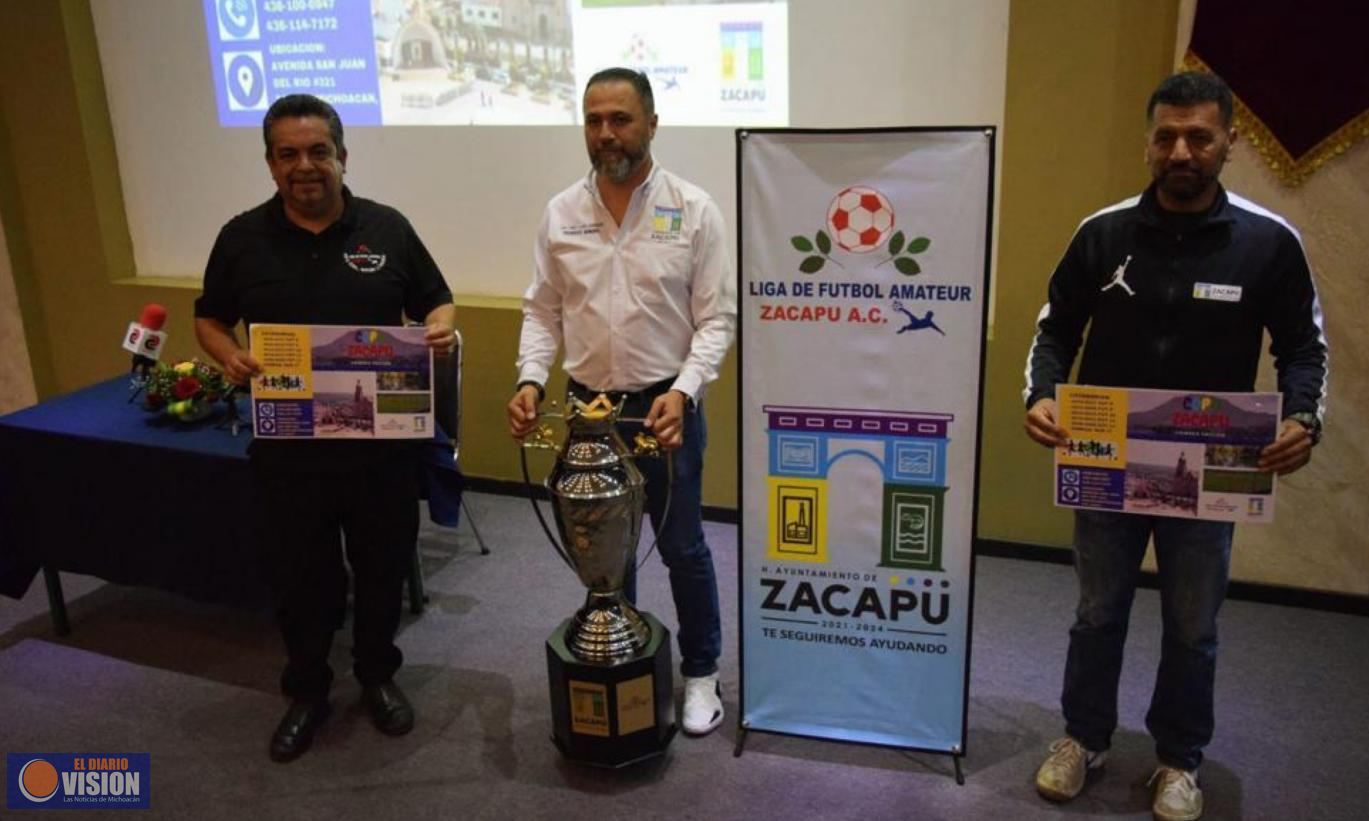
pixel 1176 288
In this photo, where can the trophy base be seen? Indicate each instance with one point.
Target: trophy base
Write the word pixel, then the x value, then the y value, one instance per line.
pixel 607 630
pixel 612 715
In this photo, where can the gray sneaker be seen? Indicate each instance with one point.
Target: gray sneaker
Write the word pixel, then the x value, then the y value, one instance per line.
pixel 1177 794
pixel 1062 774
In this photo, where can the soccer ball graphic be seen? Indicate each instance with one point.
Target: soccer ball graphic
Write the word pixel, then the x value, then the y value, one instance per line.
pixel 860 219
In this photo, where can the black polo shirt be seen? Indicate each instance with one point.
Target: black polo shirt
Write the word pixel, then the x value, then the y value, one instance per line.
pixel 368 268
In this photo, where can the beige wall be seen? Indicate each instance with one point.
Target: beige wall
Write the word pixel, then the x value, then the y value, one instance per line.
pixel 1079 72
pixel 60 201
pixel 1318 539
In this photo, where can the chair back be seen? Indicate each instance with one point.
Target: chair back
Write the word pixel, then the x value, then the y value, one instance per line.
pixel 447 394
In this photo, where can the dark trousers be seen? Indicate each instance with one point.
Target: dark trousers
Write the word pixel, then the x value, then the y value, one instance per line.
pixel 1193 559
pixel 304 516
pixel 678 533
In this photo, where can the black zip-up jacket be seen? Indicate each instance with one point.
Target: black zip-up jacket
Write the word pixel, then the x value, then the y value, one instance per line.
pixel 1180 302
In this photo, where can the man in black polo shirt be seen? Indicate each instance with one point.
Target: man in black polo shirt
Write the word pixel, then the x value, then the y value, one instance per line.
pixel 314 254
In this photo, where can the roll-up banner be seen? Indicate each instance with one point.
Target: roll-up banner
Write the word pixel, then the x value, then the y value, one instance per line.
pixel 864 281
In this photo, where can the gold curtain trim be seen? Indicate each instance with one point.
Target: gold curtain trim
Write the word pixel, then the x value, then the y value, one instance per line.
pixel 1290 171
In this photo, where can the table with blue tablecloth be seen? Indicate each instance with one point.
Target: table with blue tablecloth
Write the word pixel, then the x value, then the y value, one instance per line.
pixel 91 483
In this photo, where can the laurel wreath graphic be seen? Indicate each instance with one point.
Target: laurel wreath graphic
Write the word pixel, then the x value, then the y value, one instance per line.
pixel 906 265
pixel 901 252
pixel 822 245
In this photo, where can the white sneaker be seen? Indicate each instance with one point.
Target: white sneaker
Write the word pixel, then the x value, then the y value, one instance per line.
pixel 1062 774
pixel 1177 795
pixel 703 704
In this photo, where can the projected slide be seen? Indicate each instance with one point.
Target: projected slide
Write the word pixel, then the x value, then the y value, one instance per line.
pixel 498 62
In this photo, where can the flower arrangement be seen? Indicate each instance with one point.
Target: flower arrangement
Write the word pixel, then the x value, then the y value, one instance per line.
pixel 185 391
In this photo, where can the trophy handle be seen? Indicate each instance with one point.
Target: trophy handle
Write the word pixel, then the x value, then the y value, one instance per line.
pixel 644 444
pixel 648 446
pixel 542 438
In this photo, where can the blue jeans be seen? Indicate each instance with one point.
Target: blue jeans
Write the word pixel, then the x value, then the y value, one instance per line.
pixel 1193 558
pixel 680 540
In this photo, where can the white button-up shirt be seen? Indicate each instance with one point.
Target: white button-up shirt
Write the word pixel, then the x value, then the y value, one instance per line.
pixel 634 304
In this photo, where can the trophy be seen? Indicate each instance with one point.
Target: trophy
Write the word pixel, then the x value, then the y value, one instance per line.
pixel 608 665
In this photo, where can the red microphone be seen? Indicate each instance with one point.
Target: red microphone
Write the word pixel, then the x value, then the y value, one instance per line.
pixel 145 338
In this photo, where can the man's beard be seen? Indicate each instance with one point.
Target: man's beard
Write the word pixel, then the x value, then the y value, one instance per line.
pixel 622 164
pixel 1185 187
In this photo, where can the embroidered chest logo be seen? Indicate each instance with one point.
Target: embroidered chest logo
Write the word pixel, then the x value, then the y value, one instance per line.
pixel 666 224
pixel 363 260
pixel 1119 278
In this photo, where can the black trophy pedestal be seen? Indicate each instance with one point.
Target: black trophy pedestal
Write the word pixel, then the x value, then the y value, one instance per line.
pixel 612 715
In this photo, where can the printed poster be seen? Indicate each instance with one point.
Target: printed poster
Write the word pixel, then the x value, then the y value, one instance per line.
pixel 862 301
pixel 334 382
pixel 1185 454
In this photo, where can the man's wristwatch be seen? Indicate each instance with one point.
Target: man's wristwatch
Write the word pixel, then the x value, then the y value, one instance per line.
pixel 1309 421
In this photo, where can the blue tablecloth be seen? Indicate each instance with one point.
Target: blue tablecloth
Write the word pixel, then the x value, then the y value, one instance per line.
pixel 92 484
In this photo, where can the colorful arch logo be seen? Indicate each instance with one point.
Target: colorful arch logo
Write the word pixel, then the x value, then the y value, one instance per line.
pixel 1201 403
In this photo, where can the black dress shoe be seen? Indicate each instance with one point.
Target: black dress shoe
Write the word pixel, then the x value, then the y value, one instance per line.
pixel 296 730
pixel 390 711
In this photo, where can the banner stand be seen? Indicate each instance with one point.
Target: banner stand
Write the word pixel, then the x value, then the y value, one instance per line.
pixel 956 758
pixel 863 282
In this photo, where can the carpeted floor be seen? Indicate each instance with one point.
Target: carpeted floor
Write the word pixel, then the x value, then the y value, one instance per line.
pixel 195 686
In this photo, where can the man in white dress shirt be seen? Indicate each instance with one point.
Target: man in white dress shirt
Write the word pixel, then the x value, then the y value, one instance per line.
pixel 632 276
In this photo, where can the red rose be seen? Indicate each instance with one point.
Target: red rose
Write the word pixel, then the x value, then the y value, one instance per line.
pixel 186 387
